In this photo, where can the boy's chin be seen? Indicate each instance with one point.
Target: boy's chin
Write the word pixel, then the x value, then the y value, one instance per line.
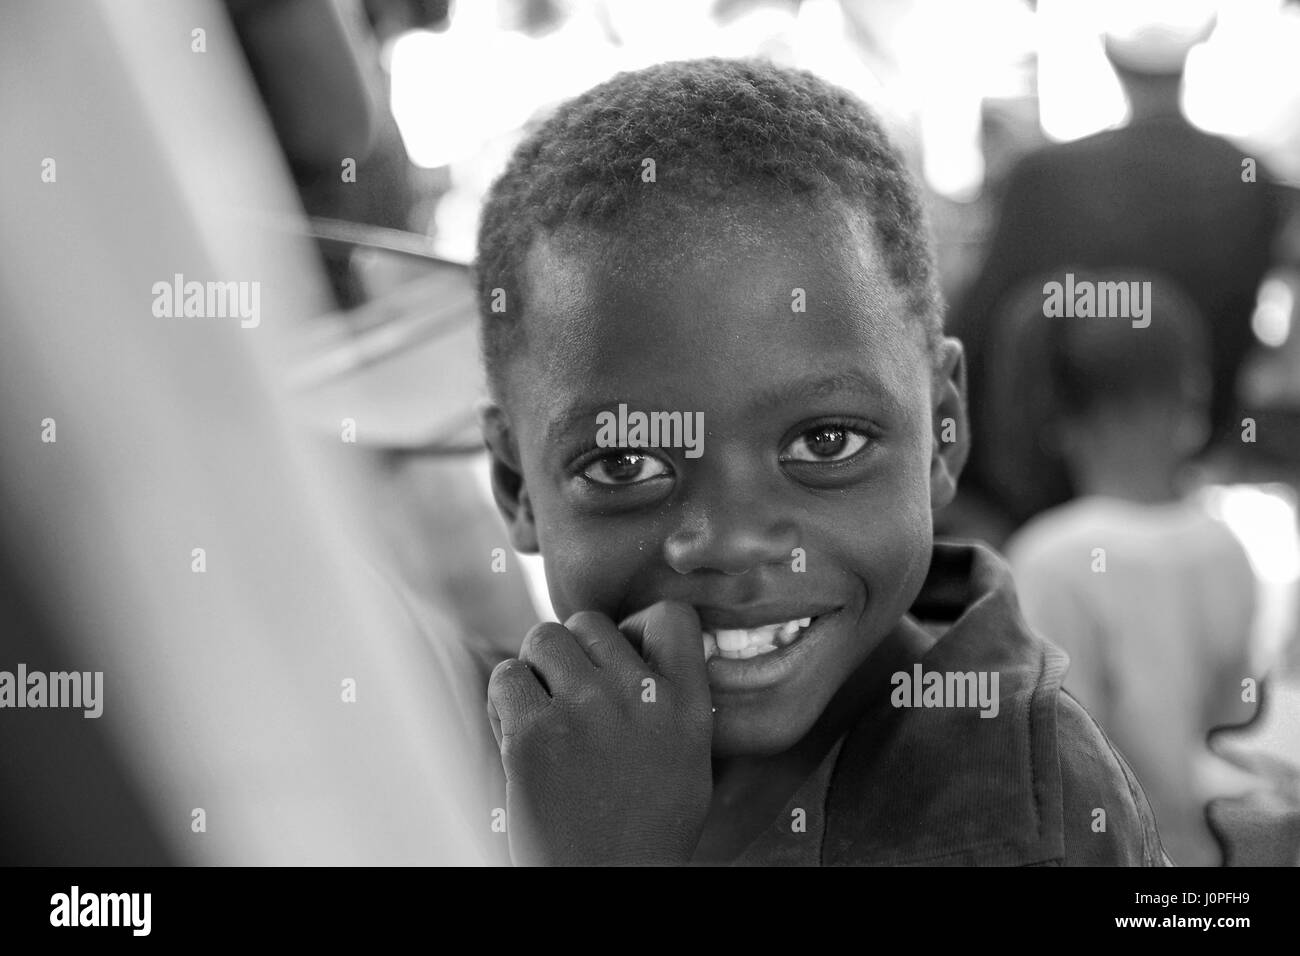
pixel 739 736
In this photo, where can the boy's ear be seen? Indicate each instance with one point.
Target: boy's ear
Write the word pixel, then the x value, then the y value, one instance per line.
pixel 508 478
pixel 951 428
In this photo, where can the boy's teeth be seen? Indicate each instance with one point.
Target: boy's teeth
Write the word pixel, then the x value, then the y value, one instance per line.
pixel 740 643
pixel 732 640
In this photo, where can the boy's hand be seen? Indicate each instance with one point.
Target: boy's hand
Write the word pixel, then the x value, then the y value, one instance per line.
pixel 606 751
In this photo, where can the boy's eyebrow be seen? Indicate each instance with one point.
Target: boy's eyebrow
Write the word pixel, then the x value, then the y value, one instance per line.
pixel 773 397
pixel 823 386
pixel 577 412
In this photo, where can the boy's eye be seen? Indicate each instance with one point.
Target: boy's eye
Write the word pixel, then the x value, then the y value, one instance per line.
pixel 825 443
pixel 624 468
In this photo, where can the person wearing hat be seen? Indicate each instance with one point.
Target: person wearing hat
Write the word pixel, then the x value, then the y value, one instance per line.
pixel 1156 194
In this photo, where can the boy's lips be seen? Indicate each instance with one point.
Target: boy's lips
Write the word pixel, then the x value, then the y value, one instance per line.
pixel 752 649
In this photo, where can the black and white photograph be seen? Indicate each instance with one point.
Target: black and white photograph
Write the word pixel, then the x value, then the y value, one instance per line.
pixel 649 434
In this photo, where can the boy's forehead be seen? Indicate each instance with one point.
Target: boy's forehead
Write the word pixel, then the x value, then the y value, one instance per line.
pixel 787 287
pixel 812 261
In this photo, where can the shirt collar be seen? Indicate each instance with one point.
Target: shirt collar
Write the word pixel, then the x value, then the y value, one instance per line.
pixel 943 785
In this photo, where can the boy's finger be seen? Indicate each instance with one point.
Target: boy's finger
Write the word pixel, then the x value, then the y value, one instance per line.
pixel 668 636
pixel 515 696
pixel 605 644
pixel 495 720
pixel 555 656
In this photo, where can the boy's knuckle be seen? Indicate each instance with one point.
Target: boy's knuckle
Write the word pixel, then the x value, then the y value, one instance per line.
pixel 542 640
pixel 504 679
pixel 526 728
pixel 585 702
pixel 588 620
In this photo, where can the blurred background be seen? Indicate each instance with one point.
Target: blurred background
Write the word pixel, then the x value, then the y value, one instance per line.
pixel 328 460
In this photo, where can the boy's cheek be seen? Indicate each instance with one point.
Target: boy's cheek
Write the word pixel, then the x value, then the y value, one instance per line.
pixel 585 573
pixel 893 554
pixel 594 562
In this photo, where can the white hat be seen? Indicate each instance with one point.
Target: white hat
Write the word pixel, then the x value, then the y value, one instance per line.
pixel 1154 37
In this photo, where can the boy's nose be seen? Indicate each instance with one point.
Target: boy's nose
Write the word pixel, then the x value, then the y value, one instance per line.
pixel 733 538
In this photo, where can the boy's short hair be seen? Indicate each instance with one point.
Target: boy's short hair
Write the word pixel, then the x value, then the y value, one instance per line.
pixel 716 129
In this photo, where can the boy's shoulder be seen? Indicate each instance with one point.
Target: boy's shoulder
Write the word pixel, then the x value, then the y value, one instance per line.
pixel 973 754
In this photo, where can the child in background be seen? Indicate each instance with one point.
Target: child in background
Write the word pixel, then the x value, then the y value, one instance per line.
pixel 1149 595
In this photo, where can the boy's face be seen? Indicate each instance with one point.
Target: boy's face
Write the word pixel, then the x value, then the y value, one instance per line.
pixel 821 455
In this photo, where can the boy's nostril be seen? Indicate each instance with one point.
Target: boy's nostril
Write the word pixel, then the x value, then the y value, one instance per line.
pixel 730 551
pixel 730 558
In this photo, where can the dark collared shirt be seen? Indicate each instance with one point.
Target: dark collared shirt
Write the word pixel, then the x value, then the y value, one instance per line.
pixel 1037 784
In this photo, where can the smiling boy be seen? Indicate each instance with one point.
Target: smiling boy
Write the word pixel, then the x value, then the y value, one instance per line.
pixel 719 690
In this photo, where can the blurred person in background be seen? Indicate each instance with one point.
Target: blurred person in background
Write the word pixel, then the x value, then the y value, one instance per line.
pixel 1151 597
pixel 401 354
pixel 317 69
pixel 1156 194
